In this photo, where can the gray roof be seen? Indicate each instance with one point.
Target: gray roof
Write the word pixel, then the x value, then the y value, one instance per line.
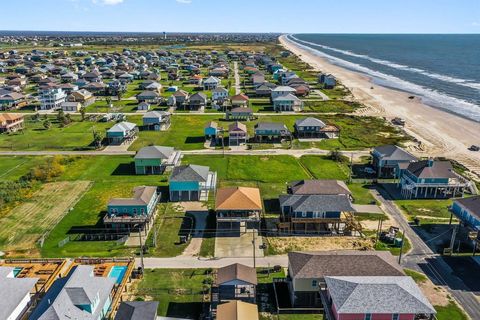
pixel 155 152
pixel 137 310
pixel 472 204
pixel 156 114
pixel 317 203
pixel 310 122
pixel 286 97
pixel 431 169
pixel 141 197
pixel 284 89
pixel 190 172
pixel 81 287
pixel 270 126
pixel 377 295
pixel 392 152
pixel 122 127
pixel 12 291
pixel 343 263
pixel 325 187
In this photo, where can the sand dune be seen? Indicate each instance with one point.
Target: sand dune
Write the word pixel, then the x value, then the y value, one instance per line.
pixel 439 133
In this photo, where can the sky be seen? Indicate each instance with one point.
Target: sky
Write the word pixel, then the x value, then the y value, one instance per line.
pixel 285 16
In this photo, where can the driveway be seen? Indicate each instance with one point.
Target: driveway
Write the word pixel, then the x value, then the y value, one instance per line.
pixel 238 246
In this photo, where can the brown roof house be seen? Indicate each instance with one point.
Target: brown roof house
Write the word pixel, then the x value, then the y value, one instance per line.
pixel 237 310
pixel 237 134
pixel 234 282
pixel 307 271
pixel 238 208
pixel 11 122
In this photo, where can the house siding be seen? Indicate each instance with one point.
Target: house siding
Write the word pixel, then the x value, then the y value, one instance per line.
pixel 464 215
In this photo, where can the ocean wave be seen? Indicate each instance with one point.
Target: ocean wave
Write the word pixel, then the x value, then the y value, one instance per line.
pixel 428 95
pixel 462 82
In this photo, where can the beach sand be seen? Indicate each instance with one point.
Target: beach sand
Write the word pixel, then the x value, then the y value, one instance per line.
pixel 440 134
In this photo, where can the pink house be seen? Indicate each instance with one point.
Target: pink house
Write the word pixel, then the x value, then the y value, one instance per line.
pixel 375 298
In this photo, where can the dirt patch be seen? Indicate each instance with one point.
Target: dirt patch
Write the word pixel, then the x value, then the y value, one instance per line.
pixel 373 224
pixel 26 223
pixel 190 206
pixel 437 296
pixel 282 245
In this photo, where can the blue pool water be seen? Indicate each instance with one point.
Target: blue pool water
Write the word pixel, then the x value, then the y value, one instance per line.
pixel 117 272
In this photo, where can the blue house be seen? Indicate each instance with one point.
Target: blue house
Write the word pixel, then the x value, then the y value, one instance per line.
pixel 156 120
pixel 211 130
pixel 390 160
pixel 431 179
pixel 132 213
pixel 191 183
pixel 80 295
pixel 122 132
pixel 467 210
pixel 271 131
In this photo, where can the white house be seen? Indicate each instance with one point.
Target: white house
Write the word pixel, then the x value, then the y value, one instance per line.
pixel 211 83
pixel 219 94
pixel 282 91
pixel 52 98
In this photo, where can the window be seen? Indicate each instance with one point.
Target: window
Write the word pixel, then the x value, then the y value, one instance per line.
pixel 134 210
pixel 368 316
pixel 304 214
pixel 395 316
pixel 314 283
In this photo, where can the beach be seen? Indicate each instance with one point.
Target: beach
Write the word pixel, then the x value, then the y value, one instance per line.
pixel 439 133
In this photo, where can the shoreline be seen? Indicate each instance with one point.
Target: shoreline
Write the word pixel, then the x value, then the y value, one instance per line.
pixel 440 133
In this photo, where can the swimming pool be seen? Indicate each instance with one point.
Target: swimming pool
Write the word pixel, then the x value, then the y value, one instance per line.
pixel 117 272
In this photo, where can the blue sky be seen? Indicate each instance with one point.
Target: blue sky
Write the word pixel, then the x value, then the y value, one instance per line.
pixel 314 16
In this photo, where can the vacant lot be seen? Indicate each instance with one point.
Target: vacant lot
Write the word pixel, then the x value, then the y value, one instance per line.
pixel 25 224
pixel 283 245
pixel 13 167
pixel 426 209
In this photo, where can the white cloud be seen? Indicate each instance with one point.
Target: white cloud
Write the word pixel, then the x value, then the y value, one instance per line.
pixel 184 1
pixel 107 2
pixel 475 24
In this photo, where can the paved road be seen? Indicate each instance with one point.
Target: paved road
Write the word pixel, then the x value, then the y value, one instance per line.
pixel 237 78
pixel 193 262
pixel 423 259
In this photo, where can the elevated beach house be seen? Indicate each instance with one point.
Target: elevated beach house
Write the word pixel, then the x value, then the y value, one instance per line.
pixel 211 83
pixel 237 134
pixel 234 282
pixel 287 102
pixel 236 310
pixel 432 179
pixel 219 94
pixel 122 132
pixel 156 120
pixel 238 208
pixel 191 183
pixel 281 91
pixel 375 298
pixel 151 97
pixel 467 210
pixel 17 293
pixel 313 128
pixel 239 113
pixel 271 132
pixel 239 100
pixel 211 130
pixel 197 101
pixel 80 295
pixel 389 161
pixel 155 159
pixel 307 271
pixel 316 206
pixel 137 310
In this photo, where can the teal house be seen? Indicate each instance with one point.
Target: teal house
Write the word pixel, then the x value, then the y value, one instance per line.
pixel 271 131
pixel 467 210
pixel 122 132
pixel 211 130
pixel 155 159
pixel 132 213
pixel 191 183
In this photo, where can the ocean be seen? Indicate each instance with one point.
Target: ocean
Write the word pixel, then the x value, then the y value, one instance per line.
pixel 443 70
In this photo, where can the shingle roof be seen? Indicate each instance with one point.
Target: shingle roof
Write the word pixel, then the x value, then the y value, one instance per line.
pixel 392 152
pixel 237 310
pixel 190 172
pixel 236 271
pixel 310 122
pixel 377 295
pixel 317 203
pixel 238 198
pixel 122 127
pixel 155 152
pixel 237 126
pixel 431 169
pixel 155 114
pixel 13 291
pixel 283 97
pixel 325 187
pixel 137 310
pixel 270 126
pixel 472 204
pixel 141 196
pixel 343 263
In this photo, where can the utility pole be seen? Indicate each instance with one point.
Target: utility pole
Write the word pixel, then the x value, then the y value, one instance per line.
pixel 401 248
pixel 253 244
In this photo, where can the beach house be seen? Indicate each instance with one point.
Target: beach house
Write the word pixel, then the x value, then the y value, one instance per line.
pixel 389 160
pixel 313 128
pixel 137 310
pixel 236 310
pixel 237 134
pixel 271 132
pixel 155 159
pixel 211 130
pixel 234 282
pixel 211 83
pixel 238 208
pixel 191 183
pixel 51 97
pixel 281 91
pixel 132 213
pixel 122 132
pixel 287 102
pixel 156 120
pixel 467 210
pixel 15 294
pixel 11 122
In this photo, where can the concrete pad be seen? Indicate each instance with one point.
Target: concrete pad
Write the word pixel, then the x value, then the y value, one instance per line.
pixel 241 246
pixel 367 208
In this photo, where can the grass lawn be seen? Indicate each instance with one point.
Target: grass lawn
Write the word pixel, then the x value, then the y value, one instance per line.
pixel 361 193
pixel 207 248
pixel 330 106
pixel 321 167
pixel 383 246
pixel 112 176
pixel 14 167
pixel 450 312
pixel 426 209
pixel 417 276
pixel 123 105
pixel 179 292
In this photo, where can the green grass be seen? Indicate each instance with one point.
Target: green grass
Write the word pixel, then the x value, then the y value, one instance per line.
pixel 361 193
pixel 113 177
pixel 426 209
pixel 14 167
pixel 207 248
pixel 383 246
pixel 321 167
pixel 417 276
pixel 179 292
pixel 450 312
pixel 330 106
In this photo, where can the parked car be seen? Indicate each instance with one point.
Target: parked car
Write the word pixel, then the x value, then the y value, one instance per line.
pixel 474 148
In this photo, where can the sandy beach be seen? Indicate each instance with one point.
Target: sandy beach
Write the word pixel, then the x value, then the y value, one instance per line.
pixel 439 133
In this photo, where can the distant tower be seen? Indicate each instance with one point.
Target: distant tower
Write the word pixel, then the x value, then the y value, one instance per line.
pixel 164 36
